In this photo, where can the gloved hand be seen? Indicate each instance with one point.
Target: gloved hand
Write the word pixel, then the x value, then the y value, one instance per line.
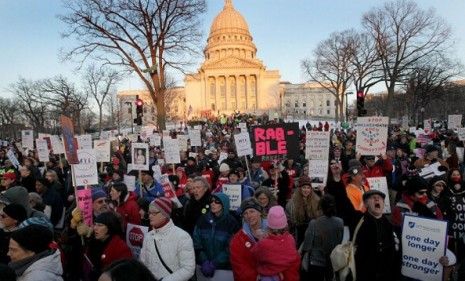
pixel 208 269
pixel 84 230
pixel 76 218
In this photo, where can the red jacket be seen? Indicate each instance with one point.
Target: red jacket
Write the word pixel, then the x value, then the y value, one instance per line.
pixel 129 210
pixel 276 255
pixel 115 250
pixel 380 169
pixel 242 261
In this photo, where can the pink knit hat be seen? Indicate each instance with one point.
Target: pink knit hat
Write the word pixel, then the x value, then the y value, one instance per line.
pixel 277 218
pixel 162 204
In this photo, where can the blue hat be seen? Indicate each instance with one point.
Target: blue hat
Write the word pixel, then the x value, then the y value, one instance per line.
pixel 98 193
pixel 43 221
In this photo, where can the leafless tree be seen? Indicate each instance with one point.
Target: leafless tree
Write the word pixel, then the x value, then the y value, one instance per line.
pixel 331 66
pixel 141 36
pixel 99 81
pixel 404 34
pixel 11 121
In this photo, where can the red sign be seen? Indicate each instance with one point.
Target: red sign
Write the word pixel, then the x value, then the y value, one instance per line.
pixel 276 141
pixel 69 140
pixel 136 237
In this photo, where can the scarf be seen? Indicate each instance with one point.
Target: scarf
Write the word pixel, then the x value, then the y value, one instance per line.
pixel 20 266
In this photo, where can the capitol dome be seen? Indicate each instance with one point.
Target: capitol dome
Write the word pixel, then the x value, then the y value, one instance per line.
pixel 229 20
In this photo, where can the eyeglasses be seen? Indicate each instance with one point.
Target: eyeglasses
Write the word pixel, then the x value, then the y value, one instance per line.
pixel 101 201
pixel 216 201
pixel 154 213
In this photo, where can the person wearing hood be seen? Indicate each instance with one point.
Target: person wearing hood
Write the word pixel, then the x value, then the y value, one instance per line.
pixel 438 193
pixel 31 256
pixel 253 229
pixel 197 205
pixel 125 203
pixel 431 156
pixel 10 218
pixel 212 234
pixel 19 195
pixel 54 207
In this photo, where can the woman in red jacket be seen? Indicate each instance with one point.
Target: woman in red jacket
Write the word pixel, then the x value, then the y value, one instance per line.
pixel 125 203
pixel 253 229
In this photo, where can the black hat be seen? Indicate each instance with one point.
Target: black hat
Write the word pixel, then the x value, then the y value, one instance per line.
pixel 415 184
pixel 430 148
pixel 34 238
pixel 16 212
pixel 251 203
pixel 111 221
pixel 372 192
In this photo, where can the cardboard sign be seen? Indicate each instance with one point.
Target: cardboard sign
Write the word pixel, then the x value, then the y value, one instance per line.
pixel 195 137
pixel 454 121
pixel 243 145
pixel 380 183
pixel 27 139
pixel 130 182
pixel 317 145
pixel 423 243
pixel 372 133
pixel 135 235
pixel 84 203
pixel 182 139
pixel 171 147
pixel 42 150
pixel 12 157
pixel 276 141
pixel 155 139
pixel 102 150
pixel 86 173
pixel 234 192
pixel 243 127
pixel 140 156
pixel 461 133
pixel 84 141
pixel 318 172
pixel 69 140
pixel 57 144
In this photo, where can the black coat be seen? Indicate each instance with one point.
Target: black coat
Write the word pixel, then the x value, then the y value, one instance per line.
pixel 193 210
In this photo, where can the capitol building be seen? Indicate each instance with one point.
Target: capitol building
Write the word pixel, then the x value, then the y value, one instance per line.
pixel 232 78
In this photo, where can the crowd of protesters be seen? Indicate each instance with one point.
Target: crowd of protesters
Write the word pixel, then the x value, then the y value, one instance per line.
pixel 285 228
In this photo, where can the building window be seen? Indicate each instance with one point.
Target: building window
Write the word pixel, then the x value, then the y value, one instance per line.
pixel 328 111
pixel 296 104
pixel 304 104
pixel 328 103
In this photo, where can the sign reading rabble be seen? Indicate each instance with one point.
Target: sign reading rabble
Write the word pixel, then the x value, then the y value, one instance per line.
pixel 372 135
pixel 69 140
pixel 276 141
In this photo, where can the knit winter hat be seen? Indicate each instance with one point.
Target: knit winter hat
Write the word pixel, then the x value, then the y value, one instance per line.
pixel 251 203
pixel 224 167
pixel 416 183
pixel 16 212
pixel 98 193
pixel 34 238
pixel 9 176
pixel 162 204
pixel 277 218
pixel 304 180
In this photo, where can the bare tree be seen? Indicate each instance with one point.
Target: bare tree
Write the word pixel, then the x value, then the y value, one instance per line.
pixel 141 36
pixel 10 121
pixel 331 66
pixel 404 34
pixel 98 84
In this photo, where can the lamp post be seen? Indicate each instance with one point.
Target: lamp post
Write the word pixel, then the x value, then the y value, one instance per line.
pixel 347 105
pixel 128 103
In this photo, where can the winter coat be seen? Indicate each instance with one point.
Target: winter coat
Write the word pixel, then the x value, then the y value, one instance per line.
pixel 155 190
pixel 355 195
pixel 129 210
pixel 48 268
pixel 277 254
pixel 176 249
pixel 312 211
pixel 455 212
pixel 53 199
pixel 380 169
pixel 193 210
pixel 212 236
pixel 407 206
pixel 344 208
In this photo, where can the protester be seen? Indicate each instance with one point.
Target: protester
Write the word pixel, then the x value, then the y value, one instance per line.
pixel 265 198
pixel 27 178
pixel 54 208
pixel 10 218
pixel 279 182
pixel 148 187
pixel 128 269
pixel 431 156
pixel 125 203
pixel 9 180
pixel 19 195
pixel 197 205
pixel 257 174
pixel 356 188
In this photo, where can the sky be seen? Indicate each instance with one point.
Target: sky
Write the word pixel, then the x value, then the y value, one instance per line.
pixel 284 31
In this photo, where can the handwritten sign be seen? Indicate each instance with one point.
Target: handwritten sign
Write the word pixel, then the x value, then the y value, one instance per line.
pixel 130 182
pixel 380 183
pixel 42 150
pixel 234 192
pixel 318 172
pixel 454 121
pixel 27 139
pixel 85 173
pixel 84 203
pixel 427 125
pixel 243 145
pixel 372 135
pixel 461 133
pixel 135 235
pixel 317 145
pixel 57 144
pixel 171 147
pixel 155 139
pixel 195 137
pixel 140 155
pixel 84 141
pixel 182 142
pixel 423 243
pixel 102 150
pixel 12 157
pixel 243 127
pixel 276 141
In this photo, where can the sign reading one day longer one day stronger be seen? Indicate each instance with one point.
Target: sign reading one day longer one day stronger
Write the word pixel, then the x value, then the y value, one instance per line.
pixel 276 141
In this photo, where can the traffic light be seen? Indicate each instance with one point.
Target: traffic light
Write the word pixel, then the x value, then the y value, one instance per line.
pixel 139 111
pixel 361 111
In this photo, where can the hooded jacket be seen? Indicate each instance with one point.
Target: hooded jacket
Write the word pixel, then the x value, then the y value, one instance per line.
pixel 48 268
pixel 212 235
pixel 19 195
pixel 129 210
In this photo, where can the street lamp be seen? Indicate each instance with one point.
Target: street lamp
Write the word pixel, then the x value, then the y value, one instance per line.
pixel 347 105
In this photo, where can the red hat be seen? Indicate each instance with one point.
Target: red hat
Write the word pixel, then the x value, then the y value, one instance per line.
pixel 115 161
pixel 162 204
pixel 9 176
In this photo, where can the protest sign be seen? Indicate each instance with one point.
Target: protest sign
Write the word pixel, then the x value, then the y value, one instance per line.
pixel 243 127
pixel 243 145
pixel 140 156
pixel 102 150
pixel 405 120
pixel 276 141
pixel 372 133
pixel 423 139
pixel 423 243
pixel 135 237
pixel 85 173
pixel 182 139
pixel 431 171
pixel 27 139
pixel 460 153
pixel 155 139
pixel 57 144
pixel 12 157
pixel 195 137
pixel 84 141
pixel 454 121
pixel 198 127
pixel 42 150
pixel 457 221
pixel 223 156
pixel 69 141
pixel 427 125
pixel 234 192
pixel 461 133
pixel 317 145
pixel 84 203
pixel 157 171
pixel 380 183
pixel 318 172
pixel 168 190
pixel 171 147
pixel 130 182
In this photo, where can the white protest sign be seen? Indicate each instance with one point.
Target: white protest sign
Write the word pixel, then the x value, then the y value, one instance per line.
pixel 405 122
pixel 155 139
pixel 182 142
pixel 427 125
pixel 380 183
pixel 140 156
pixel 157 171
pixel 454 121
pixel 130 182
pixel 27 139
pixel 243 145
pixel 431 171
pixel 460 152
pixel 198 127
pixel 461 133
pixel 372 133
pixel 42 150
pixel 223 156
pixel 234 192
pixel 317 145
pixel 11 155
pixel 84 141
pixel 423 243
pixel 41 136
pixel 135 237
pixel 243 127
pixel 102 150
pixel 166 133
pixel 57 144
pixel 318 172
pixel 85 173
pixel 195 137
pixel 171 147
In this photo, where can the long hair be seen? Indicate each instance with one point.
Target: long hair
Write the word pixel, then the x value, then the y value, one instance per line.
pixel 304 208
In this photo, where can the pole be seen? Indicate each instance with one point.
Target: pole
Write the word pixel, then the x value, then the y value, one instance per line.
pixel 248 170
pixel 140 184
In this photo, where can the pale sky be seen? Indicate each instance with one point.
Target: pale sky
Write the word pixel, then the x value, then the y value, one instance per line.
pixel 284 31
